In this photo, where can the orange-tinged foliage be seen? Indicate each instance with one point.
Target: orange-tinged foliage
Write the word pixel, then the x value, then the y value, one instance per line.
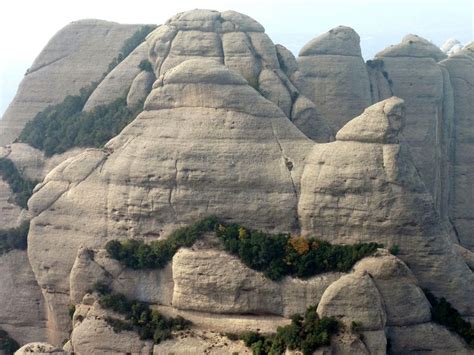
pixel 300 244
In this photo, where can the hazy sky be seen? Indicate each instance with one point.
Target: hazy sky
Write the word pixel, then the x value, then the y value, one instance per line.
pixel 27 25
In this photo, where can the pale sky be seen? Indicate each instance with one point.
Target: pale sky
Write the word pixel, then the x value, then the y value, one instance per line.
pixel 27 25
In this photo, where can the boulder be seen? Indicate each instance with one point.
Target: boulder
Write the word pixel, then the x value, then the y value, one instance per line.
pixel 354 298
pixel 75 57
pixel 404 302
pixel 413 46
pixel 92 334
pixel 333 75
pixel 216 282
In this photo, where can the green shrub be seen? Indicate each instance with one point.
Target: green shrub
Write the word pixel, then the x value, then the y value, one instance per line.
pixel 274 255
pixel 148 323
pixel 394 250
pixel 443 313
pixel 305 334
pixel 138 255
pixel 7 344
pixel 71 309
pixel 281 255
pixel 66 126
pixel 21 187
pixel 145 65
pixel 14 238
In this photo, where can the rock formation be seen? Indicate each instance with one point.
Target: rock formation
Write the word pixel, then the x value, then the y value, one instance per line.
pixel 461 72
pixel 416 77
pixel 365 187
pixel 237 127
pixel 88 46
pixel 333 75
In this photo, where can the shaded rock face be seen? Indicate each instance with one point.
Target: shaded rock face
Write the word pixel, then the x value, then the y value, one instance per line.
pixel 238 42
pixel 414 75
pixel 461 73
pixel 23 311
pixel 333 75
pixel 87 46
pixel 146 180
pixel 359 190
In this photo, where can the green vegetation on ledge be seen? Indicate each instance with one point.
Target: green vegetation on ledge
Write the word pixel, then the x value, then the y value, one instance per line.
pixel 61 127
pixel 275 255
pixel 305 334
pixel 14 238
pixel 21 187
pixel 7 344
pixel 139 317
pixel 443 313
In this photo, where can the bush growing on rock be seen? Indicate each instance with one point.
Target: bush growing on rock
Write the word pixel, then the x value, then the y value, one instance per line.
pixel 138 255
pixel 145 65
pixel 443 313
pixel 305 334
pixel 281 255
pixel 14 238
pixel 21 187
pixel 274 255
pixel 139 317
pixel 8 345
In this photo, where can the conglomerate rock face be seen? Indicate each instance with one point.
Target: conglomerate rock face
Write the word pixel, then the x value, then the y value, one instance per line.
pixel 75 57
pixel 237 127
